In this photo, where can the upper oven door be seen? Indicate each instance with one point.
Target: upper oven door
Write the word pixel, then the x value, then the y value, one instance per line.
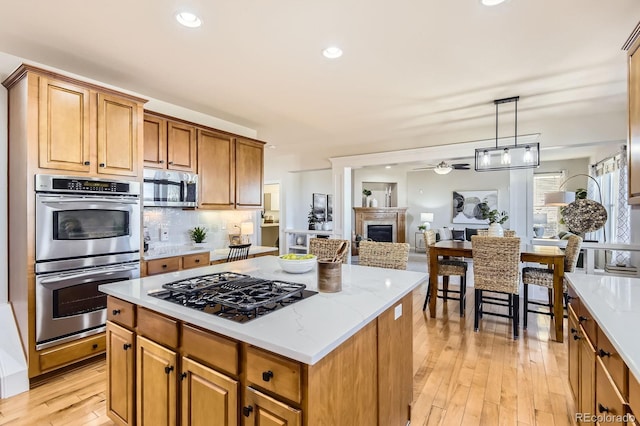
pixel 84 225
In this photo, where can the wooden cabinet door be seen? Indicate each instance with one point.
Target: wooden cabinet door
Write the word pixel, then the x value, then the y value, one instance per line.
pixel 120 374
pixel 63 126
pixel 634 123
pixel 587 374
pixel 156 384
pixel 216 170
pixel 574 357
pixel 181 147
pixel 249 173
pixel 155 142
pixel 262 410
pixel 208 397
pixel 609 401
pixel 117 136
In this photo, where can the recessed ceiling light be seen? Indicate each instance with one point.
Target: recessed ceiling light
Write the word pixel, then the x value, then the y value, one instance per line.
pixel 492 2
pixel 332 52
pixel 387 167
pixel 188 19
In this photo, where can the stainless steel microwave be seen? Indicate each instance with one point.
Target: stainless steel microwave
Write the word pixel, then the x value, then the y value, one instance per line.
pixel 163 188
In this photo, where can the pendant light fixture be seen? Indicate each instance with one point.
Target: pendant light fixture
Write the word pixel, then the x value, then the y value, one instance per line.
pixel 509 156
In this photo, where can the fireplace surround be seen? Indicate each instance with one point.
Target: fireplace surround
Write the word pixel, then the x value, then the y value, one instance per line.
pixel 366 217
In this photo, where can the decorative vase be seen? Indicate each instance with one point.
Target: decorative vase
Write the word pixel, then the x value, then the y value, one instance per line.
pixel 368 201
pixel 495 230
pixel 374 202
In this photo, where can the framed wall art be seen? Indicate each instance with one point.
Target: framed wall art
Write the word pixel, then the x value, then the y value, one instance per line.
pixel 467 206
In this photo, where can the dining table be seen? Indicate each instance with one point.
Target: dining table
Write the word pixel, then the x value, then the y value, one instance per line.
pixel 551 256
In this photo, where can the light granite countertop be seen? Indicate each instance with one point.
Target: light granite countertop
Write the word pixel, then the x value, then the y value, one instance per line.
pixel 215 254
pixel 614 303
pixel 306 330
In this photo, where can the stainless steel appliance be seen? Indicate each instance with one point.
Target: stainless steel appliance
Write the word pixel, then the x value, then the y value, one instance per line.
pixel 233 296
pixel 87 234
pixel 170 188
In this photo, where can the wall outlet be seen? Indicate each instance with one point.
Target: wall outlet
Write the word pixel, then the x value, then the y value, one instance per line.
pixel 164 233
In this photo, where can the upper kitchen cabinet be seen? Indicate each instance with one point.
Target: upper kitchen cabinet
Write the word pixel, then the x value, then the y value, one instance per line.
pixel 76 127
pixel 632 45
pixel 169 144
pixel 230 171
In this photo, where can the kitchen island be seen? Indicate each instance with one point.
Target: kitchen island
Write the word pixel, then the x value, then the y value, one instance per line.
pixel 332 358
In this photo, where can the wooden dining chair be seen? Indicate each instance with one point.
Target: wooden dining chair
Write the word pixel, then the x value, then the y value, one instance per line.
pixel 383 255
pixel 238 252
pixel 327 248
pixel 448 268
pixel 496 268
pixel 544 277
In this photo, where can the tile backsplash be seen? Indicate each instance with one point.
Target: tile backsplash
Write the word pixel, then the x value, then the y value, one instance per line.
pixel 178 222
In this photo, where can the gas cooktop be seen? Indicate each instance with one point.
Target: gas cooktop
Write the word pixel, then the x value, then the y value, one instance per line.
pixel 233 296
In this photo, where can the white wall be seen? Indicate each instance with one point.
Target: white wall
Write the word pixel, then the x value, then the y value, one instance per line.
pixel 299 189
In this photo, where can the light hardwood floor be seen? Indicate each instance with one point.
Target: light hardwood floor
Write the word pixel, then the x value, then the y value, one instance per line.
pixel 460 377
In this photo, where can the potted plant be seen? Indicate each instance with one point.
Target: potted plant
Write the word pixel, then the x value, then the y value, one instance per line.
pixel 198 234
pixel 496 218
pixel 367 197
pixel 313 220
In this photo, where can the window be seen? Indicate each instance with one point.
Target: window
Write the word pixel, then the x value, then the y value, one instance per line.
pixel 547 217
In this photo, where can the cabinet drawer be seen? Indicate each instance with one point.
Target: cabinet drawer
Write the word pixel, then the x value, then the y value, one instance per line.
pixel 273 373
pixel 609 402
pixel 634 395
pixel 574 300
pixel 160 266
pixel 615 366
pixel 215 350
pixel 72 352
pixel 161 329
pixel 589 324
pixel 195 260
pixel 121 312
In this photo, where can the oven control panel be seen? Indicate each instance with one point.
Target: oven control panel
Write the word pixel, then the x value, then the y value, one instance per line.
pixel 78 184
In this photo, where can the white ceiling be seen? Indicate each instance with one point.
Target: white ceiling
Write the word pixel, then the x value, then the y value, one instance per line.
pixel 415 73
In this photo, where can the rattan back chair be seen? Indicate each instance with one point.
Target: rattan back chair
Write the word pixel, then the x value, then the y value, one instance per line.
pixel 447 268
pixel 544 277
pixel 509 233
pixel 327 248
pixel 238 252
pixel 496 268
pixel 383 255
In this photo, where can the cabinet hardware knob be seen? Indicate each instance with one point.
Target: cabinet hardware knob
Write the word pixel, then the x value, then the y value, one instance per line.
pixel 602 408
pixel 603 353
pixel 126 346
pixel 115 311
pixel 582 319
pixel 246 411
pixel 576 337
pixel 94 346
pixel 161 162
pixel 169 369
pixel 101 164
pixel 267 375
pixel 170 162
pixel 164 266
pixel 87 163
pixel 570 297
pixel 573 330
pixel 197 260
pixel 183 376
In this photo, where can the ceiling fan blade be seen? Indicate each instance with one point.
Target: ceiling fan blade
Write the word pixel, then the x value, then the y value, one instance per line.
pixel 425 168
pixel 460 166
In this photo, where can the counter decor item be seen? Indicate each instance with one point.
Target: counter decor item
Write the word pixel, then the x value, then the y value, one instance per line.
pixel 297 263
pixel 367 198
pixel 496 218
pixel 198 235
pixel 330 271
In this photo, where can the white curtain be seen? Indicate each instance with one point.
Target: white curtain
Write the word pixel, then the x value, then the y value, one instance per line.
pixel 623 228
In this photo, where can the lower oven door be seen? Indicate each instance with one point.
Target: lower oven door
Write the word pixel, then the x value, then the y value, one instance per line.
pixel 69 305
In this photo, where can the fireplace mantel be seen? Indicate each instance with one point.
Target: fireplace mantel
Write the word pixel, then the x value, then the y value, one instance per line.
pixel 395 215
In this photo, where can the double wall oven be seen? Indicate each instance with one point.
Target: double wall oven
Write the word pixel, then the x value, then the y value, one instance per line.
pixel 87 234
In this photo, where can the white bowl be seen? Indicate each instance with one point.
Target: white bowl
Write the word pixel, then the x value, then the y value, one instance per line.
pixel 297 266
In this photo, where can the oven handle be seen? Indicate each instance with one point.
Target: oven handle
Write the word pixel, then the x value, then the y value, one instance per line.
pixel 85 200
pixel 86 274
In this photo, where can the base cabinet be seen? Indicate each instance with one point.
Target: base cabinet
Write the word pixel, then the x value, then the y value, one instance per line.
pixel 120 374
pixel 262 410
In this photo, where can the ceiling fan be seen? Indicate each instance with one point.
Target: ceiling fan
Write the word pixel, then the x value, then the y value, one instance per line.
pixel 443 167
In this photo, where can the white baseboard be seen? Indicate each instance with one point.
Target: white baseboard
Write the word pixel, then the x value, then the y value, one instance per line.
pixel 14 376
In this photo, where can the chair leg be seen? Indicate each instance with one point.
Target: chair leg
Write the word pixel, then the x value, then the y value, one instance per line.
pixel 463 293
pixel 550 304
pixel 478 303
pixel 516 316
pixel 525 308
pixel 445 288
pixel 426 298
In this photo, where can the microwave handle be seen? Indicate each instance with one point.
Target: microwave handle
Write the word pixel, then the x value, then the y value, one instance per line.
pixel 86 274
pixel 85 200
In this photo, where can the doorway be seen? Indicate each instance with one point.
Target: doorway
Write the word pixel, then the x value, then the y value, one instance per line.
pixel 270 224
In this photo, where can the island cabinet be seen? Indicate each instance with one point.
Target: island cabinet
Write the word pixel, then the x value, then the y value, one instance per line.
pixel 230 171
pixel 598 376
pixel 174 263
pixel 169 144
pixel 81 128
pixel 189 375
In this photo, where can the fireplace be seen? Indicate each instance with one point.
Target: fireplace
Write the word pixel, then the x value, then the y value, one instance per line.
pixel 386 224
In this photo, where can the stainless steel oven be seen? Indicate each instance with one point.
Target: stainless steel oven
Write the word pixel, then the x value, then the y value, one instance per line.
pixel 87 234
pixel 69 305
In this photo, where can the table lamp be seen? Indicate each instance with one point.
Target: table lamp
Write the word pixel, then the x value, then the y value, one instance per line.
pixel 246 230
pixel 426 219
